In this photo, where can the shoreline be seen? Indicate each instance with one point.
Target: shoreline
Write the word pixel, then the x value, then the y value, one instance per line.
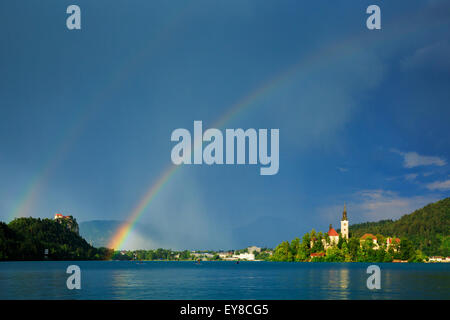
pixel 245 261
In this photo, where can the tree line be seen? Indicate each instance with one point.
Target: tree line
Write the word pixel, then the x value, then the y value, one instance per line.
pixel 425 232
pixel 346 250
pixel 427 228
pixel 40 239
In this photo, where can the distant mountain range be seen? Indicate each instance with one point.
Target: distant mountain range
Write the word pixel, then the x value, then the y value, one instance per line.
pixel 99 232
pixel 259 233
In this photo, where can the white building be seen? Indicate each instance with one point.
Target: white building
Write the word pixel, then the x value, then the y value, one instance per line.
pixel 225 255
pixel 245 256
pixel 253 249
pixel 395 242
pixel 334 236
pixel 437 259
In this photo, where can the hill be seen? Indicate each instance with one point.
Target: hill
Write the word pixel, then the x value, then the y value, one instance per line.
pixel 427 228
pixel 27 238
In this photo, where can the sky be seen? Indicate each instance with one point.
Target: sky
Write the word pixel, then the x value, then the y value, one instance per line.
pixel 86 115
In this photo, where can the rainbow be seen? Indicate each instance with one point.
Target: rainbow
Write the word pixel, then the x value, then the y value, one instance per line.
pixel 124 230
pixel 37 184
pixel 38 181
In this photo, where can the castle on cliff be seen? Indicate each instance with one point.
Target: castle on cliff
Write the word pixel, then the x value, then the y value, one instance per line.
pixel 69 221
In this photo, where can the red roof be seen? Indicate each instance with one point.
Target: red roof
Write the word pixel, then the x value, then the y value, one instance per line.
pixel 61 216
pixel 319 254
pixel 332 233
pixel 368 235
pixel 395 239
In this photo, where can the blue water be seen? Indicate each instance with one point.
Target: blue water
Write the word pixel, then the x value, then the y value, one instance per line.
pixel 222 280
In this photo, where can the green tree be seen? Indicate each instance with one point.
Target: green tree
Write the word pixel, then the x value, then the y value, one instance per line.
pixel 295 247
pixel 283 252
pixel 407 251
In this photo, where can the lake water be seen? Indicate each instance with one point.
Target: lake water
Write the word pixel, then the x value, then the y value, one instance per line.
pixel 222 280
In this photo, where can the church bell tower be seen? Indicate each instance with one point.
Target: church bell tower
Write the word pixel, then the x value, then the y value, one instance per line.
pixel 344 224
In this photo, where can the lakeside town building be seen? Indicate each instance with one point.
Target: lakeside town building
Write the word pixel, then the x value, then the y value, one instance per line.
pixel 439 259
pixel 249 254
pixel 253 249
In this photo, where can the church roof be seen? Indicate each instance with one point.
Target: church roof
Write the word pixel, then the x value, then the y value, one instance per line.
pixel 332 233
pixel 368 235
pixel 389 240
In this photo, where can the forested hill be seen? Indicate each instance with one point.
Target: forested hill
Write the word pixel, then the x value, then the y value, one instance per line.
pixel 428 228
pixel 27 238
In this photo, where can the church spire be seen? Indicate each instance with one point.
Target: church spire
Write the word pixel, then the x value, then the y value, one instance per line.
pixel 344 223
pixel 344 214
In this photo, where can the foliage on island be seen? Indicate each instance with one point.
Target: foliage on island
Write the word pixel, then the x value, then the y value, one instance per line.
pixel 28 238
pixel 424 232
pixel 428 228
pixel 351 250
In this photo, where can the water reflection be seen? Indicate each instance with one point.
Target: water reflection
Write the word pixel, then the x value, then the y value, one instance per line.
pixel 222 280
pixel 337 282
pixel 120 280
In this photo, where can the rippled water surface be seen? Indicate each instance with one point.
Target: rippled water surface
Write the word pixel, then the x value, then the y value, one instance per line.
pixel 222 280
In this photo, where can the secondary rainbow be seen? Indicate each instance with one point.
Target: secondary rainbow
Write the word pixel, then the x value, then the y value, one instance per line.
pixel 37 183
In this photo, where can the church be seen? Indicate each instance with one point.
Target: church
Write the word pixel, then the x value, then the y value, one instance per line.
pixel 334 236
